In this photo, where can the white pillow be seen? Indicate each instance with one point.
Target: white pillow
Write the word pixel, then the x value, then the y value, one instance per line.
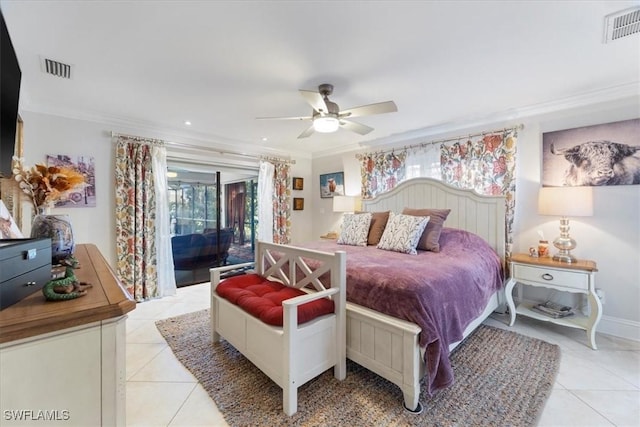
pixel 355 229
pixel 402 233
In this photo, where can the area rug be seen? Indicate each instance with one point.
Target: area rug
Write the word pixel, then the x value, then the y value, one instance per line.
pixel 501 378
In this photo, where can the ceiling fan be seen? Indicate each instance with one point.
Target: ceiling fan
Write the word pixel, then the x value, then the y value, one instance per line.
pixel 327 117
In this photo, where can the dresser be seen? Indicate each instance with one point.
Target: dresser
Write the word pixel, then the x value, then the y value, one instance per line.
pixel 63 362
pixel 578 277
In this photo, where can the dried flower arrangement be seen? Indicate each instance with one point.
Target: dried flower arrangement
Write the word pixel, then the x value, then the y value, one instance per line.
pixel 45 184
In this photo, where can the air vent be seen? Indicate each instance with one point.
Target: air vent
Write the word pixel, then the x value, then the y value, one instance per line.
pixel 621 24
pixel 56 68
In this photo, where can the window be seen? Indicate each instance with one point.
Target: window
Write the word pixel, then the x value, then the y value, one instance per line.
pixel 192 207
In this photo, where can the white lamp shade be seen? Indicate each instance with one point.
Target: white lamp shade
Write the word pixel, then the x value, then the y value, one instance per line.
pixel 326 124
pixel 345 203
pixel 565 201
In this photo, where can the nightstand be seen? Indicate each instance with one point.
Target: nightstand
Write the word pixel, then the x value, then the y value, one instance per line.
pixel 578 277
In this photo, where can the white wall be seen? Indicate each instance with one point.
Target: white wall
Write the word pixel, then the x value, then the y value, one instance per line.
pixel 611 237
pixel 324 219
pixel 300 220
pixel 46 134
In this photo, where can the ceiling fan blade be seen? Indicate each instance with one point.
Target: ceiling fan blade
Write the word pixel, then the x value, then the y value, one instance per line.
pixel 307 132
pixel 284 118
pixel 315 100
pixel 367 110
pixel 356 127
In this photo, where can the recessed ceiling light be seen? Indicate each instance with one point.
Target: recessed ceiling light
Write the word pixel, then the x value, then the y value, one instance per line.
pixel 171 174
pixel 265 139
pixel 187 122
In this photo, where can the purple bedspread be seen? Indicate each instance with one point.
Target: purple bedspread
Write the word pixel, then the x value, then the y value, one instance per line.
pixel 440 292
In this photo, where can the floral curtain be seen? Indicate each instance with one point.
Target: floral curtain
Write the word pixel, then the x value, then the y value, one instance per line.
pixel 487 165
pixel 282 204
pixel 381 172
pixel 136 219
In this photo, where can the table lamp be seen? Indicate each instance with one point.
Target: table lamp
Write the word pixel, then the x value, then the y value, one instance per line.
pixel 565 202
pixel 345 203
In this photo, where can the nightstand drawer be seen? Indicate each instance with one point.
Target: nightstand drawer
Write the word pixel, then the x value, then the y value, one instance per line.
pixel 563 278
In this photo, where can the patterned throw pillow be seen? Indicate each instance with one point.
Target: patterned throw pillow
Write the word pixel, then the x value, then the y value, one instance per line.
pixel 355 229
pixel 402 233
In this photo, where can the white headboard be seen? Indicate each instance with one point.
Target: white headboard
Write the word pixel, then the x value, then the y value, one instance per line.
pixel 482 215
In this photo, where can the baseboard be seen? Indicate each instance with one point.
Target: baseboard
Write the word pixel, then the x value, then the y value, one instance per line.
pixel 621 328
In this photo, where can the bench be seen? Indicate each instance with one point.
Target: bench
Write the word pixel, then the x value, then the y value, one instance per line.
pixel 304 346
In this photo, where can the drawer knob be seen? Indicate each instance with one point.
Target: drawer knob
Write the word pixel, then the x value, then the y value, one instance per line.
pixel 30 254
pixel 547 276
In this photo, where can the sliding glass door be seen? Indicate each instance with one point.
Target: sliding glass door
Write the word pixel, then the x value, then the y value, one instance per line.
pixel 213 223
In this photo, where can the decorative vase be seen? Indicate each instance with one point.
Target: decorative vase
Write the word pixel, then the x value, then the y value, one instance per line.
pixel 58 229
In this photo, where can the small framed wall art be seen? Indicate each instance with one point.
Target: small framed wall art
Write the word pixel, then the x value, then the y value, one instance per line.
pixel 298 183
pixel 298 203
pixel 332 184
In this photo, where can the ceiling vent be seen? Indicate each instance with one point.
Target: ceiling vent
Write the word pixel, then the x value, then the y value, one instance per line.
pixel 56 68
pixel 621 24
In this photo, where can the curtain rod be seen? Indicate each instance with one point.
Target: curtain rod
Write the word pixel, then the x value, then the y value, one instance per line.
pixel 441 141
pixel 195 162
pixel 208 149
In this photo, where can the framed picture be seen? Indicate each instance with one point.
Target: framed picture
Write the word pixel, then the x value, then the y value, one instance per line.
pixel 298 183
pixel 298 203
pixel 606 154
pixel 332 184
pixel 86 197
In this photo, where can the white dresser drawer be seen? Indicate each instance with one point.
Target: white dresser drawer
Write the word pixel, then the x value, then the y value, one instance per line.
pixel 563 278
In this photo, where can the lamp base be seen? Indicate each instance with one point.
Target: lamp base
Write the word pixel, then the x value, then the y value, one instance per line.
pixel 564 257
pixel 564 243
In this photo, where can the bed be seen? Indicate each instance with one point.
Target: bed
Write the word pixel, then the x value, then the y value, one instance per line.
pixel 404 342
pixel 392 347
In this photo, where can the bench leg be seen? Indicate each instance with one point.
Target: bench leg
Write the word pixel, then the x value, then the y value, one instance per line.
pixel 290 399
pixel 340 370
pixel 215 337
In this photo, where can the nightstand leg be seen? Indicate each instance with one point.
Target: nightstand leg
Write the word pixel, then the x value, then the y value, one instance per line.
pixel 594 317
pixel 509 296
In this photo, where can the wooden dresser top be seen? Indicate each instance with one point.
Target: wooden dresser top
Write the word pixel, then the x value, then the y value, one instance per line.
pixel 581 264
pixel 35 316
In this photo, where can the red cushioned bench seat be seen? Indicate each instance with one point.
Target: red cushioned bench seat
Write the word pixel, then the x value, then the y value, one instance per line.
pixel 262 298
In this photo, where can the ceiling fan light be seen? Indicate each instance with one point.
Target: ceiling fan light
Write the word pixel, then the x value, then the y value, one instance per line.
pixel 326 124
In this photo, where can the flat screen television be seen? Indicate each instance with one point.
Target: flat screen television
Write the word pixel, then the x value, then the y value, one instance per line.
pixel 10 77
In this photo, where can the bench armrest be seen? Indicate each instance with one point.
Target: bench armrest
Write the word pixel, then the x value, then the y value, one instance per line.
pixel 233 267
pixel 216 271
pixel 303 299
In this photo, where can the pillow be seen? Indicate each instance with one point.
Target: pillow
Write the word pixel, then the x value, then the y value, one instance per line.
pixel 378 222
pixel 355 229
pixel 402 233
pixel 430 240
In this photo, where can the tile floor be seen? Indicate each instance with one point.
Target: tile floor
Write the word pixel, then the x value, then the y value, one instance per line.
pixel 593 388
